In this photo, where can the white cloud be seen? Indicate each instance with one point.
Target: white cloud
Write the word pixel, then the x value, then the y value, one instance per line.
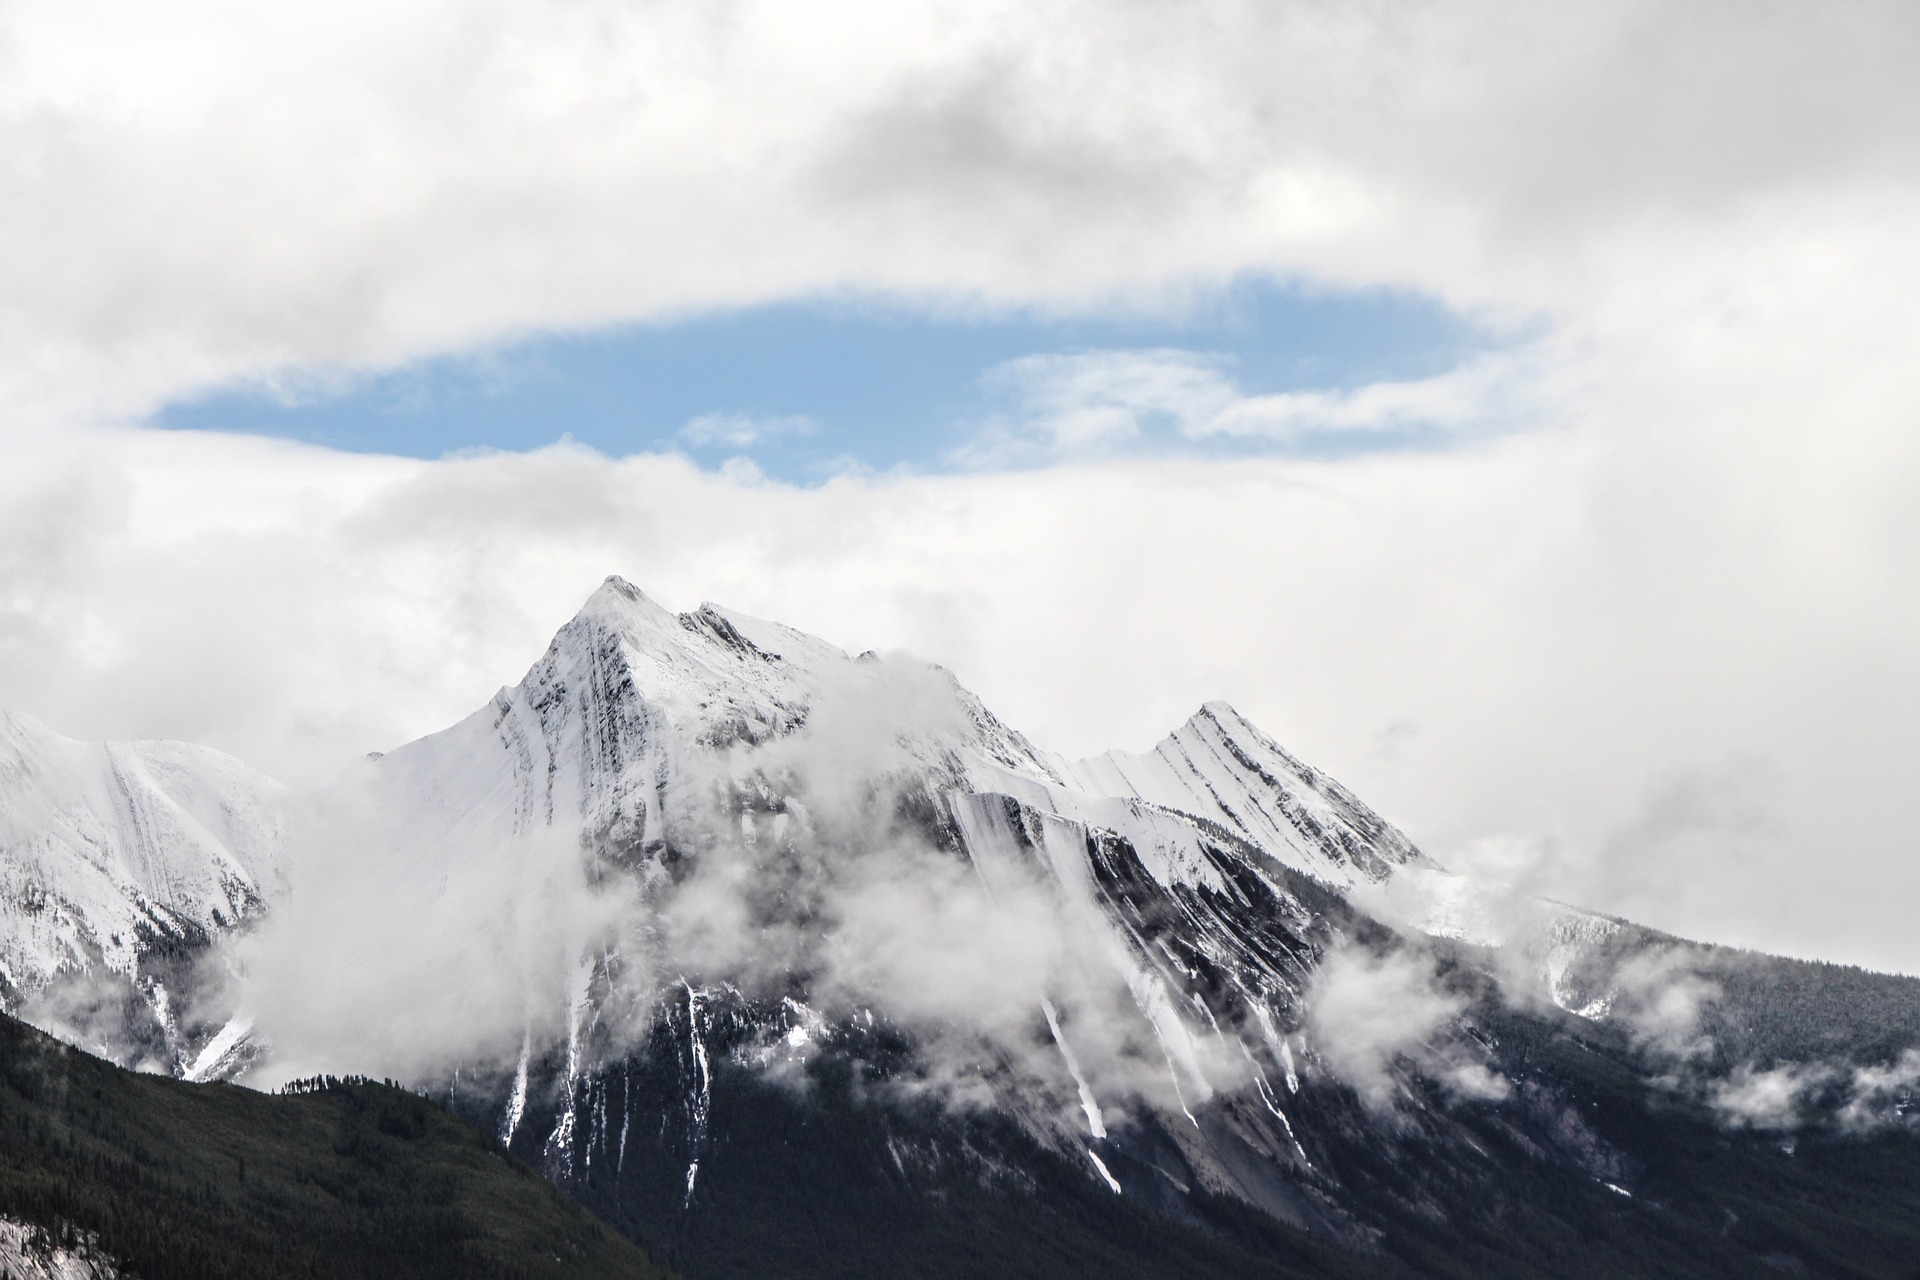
pixel 1660 998
pixel 1766 1099
pixel 1105 402
pixel 1565 613
pixel 1706 551
pixel 1364 1012
pixel 1368 1013
pixel 421 973
pixel 220 191
pixel 740 430
pixel 1884 1093
pixel 1705 830
pixel 1468 395
pixel 405 946
pixel 1779 1098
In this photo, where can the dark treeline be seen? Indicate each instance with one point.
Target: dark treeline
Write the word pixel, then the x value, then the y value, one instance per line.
pixel 338 1178
pixel 326 1084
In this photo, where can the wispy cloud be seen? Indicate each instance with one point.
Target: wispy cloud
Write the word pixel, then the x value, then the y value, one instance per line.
pixel 1771 1099
pixel 414 945
pixel 1660 997
pixel 1368 1015
pixel 1095 403
pixel 1784 1097
pixel 742 430
pixel 1553 160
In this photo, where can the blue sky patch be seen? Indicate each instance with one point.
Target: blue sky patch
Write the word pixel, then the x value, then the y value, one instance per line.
pixel 807 389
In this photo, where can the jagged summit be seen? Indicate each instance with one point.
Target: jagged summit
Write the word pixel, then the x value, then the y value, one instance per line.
pixel 632 702
pixel 631 699
pixel 620 606
pixel 713 662
pixel 1220 766
pixel 620 602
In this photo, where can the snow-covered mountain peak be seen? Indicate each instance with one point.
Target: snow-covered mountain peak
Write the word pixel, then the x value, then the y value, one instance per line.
pixel 1221 768
pixel 754 810
pixel 631 700
pixel 718 677
pixel 619 607
pixel 713 667
pixel 634 711
pixel 115 853
pixel 617 597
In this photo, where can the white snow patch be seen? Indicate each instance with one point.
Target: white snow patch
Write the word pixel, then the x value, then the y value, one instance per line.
pixel 28 1253
pixel 220 1051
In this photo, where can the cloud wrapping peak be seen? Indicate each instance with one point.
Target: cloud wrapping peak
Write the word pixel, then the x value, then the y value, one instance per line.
pixel 421 942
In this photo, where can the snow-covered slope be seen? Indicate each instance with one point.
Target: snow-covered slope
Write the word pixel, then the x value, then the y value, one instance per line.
pixel 117 859
pixel 1219 767
pixel 647 740
pixel 633 709
pixel 630 707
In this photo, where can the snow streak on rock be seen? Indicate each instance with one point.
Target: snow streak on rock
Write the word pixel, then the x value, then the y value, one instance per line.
pixel 700 1098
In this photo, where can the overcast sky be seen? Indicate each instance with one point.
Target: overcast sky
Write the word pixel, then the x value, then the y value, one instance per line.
pixel 1513 408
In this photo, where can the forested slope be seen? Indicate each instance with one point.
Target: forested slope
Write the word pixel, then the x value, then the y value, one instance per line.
pixel 177 1181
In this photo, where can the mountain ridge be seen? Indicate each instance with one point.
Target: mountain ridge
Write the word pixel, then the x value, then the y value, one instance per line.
pixel 699 879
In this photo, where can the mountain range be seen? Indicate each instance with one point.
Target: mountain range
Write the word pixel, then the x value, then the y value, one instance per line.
pixel 789 962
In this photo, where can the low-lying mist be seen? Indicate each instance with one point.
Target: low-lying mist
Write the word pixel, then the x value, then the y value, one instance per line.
pixel 819 861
